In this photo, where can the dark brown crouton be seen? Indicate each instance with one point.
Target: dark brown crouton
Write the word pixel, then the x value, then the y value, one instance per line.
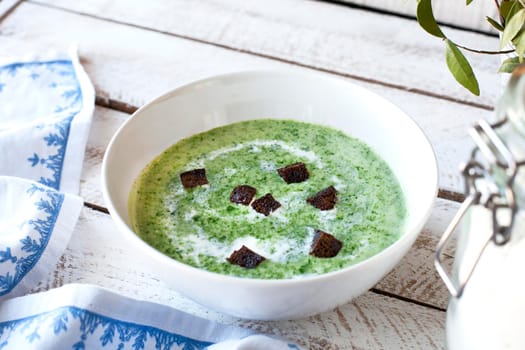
pixel 243 194
pixel 266 204
pixel 324 245
pixel 324 199
pixel 193 178
pixel 245 257
pixel 294 173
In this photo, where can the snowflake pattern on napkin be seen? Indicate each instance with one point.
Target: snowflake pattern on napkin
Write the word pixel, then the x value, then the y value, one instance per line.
pixel 80 329
pixel 80 316
pixel 34 234
pixel 43 105
pixel 46 106
pixel 33 218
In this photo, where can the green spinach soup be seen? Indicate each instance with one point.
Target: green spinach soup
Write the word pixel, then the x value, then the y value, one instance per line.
pixel 204 221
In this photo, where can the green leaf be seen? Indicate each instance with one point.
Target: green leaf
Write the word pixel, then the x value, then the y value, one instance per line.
pixel 505 7
pixel 508 65
pixel 508 8
pixel 469 2
pixel 512 28
pixel 518 5
pixel 460 68
pixel 494 23
pixel 426 19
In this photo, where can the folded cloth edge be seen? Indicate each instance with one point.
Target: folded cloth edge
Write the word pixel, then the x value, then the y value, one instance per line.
pixel 79 129
pixel 110 304
pixel 105 308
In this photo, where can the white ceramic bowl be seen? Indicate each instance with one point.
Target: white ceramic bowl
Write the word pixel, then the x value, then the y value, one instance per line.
pixel 309 97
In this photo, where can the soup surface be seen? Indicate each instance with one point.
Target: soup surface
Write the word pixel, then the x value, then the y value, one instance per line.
pixel 201 227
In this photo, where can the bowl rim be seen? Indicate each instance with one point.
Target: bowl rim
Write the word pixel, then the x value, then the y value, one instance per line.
pixel 407 235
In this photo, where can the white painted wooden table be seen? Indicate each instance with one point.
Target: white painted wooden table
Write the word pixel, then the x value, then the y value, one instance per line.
pixel 136 50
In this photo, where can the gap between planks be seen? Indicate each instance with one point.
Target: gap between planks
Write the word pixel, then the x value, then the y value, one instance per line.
pixel 96 207
pixel 7 6
pixel 274 58
pixel 115 105
pixel 399 297
pixel 401 15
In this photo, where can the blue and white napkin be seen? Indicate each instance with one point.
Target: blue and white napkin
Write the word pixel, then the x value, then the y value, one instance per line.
pixel 46 106
pixel 86 317
pixel 36 223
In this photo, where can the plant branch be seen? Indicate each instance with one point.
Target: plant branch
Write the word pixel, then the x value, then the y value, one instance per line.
pixel 487 52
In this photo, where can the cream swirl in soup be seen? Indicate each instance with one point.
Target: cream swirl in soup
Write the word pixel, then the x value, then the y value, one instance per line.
pixel 201 226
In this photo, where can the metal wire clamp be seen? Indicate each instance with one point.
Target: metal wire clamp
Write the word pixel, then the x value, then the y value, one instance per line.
pixel 483 189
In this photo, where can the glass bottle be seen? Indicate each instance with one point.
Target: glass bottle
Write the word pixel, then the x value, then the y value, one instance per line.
pixel 487 280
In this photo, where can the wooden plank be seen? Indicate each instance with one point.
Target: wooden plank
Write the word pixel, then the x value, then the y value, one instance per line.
pixel 105 123
pixel 330 37
pixel 446 11
pixel 117 72
pixel 370 321
pixel 415 276
pixel 133 66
